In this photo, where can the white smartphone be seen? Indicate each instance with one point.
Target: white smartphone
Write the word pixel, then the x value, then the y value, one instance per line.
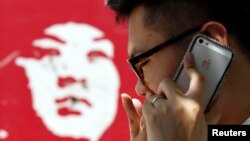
pixel 212 60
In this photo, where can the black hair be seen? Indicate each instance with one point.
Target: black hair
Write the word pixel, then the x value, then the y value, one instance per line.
pixel 233 14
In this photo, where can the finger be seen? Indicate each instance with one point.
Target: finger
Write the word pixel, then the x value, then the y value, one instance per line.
pixel 137 104
pixel 147 109
pixel 129 106
pixel 143 132
pixel 160 103
pixel 133 117
pixel 157 101
pixel 196 86
pixel 169 89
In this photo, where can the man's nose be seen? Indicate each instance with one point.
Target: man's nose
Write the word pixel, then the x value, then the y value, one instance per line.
pixel 64 81
pixel 140 88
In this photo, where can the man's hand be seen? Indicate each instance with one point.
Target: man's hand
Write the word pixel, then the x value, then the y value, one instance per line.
pixel 136 121
pixel 179 116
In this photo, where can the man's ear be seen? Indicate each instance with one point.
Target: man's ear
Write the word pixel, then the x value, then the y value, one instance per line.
pixel 216 31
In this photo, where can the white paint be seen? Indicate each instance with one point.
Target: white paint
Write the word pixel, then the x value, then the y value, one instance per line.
pixel 3 134
pixel 101 74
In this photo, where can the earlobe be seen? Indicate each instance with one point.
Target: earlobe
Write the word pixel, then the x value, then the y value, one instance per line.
pixel 216 31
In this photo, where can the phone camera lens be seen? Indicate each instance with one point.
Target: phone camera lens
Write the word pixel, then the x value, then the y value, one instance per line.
pixel 201 41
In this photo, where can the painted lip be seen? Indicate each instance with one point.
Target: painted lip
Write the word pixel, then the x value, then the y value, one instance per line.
pixel 66 110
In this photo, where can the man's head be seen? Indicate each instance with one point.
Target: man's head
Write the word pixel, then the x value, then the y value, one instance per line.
pixel 171 16
pixel 152 22
pixel 75 84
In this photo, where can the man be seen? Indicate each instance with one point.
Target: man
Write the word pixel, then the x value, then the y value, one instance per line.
pixel 68 89
pixel 180 116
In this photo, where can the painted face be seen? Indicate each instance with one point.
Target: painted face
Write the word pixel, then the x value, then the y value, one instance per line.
pixel 75 86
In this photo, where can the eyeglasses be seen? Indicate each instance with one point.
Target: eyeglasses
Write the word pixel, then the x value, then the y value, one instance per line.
pixel 140 60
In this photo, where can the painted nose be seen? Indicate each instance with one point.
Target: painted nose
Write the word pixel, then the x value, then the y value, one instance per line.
pixel 65 81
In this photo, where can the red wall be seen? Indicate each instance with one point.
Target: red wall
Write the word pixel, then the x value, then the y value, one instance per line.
pixel 22 21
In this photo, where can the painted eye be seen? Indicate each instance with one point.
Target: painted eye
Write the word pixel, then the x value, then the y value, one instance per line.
pixel 92 55
pixel 40 53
